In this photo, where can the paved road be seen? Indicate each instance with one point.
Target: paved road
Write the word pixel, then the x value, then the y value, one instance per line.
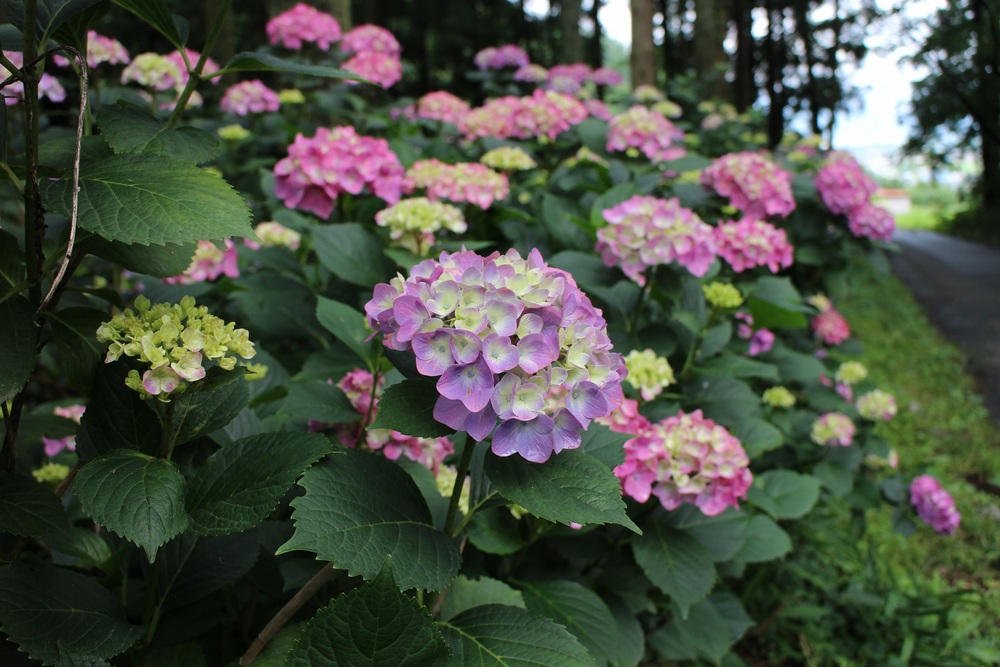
pixel 958 284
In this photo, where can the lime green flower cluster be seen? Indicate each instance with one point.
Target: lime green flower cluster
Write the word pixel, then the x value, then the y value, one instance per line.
pixel 51 473
pixel 174 339
pixel 508 158
pixel 778 397
pixel 722 295
pixel 291 96
pixel 234 132
pixel 412 222
pixel 648 373
pixel 585 155
pixel 445 482
pixel 668 108
pixel 851 372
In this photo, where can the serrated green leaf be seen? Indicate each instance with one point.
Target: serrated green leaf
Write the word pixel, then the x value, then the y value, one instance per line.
pixel 79 351
pixel 318 401
pixel 465 593
pixel 130 129
pixel 73 31
pixel 373 625
pixel 352 253
pixel 236 487
pixel 784 494
pixel 347 324
pixel 81 543
pixel 676 562
pixel 192 567
pixel 28 508
pixel 360 508
pixel 157 14
pixel 603 444
pixel 726 400
pixel 722 535
pixel 796 366
pixel 408 407
pixel 728 364
pixel 50 13
pixel 757 435
pixel 495 531
pixel 503 636
pixel 17 346
pixel 149 199
pixel 703 633
pixel 208 406
pixel 136 496
pixel 765 541
pixel 116 417
pixel 42 606
pixel 631 638
pixel 579 610
pixel 250 61
pixel 557 215
pixel 570 487
pixel 159 261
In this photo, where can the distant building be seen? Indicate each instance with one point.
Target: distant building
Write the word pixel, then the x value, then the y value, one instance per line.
pixel 896 202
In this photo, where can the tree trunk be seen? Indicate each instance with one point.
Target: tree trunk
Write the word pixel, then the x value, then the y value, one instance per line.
pixel 812 92
pixel 595 51
pixel 987 104
pixel 709 55
pixel 775 71
pixel 569 26
pixel 643 52
pixel 745 90
pixel 341 10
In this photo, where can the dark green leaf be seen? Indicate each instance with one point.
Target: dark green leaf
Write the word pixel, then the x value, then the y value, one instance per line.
pixel 136 496
pixel 50 13
pixel 570 487
pixel 726 400
pixel 159 261
pixel 73 32
pixel 408 407
pixel 129 129
pixel 796 366
pixel 676 562
pixel 157 14
pixel 352 253
pixel 610 199
pixel 79 351
pixel 82 543
pixel 347 324
pixel 556 216
pixel 631 638
pixel 360 508
pixel 28 508
pixel 731 365
pixel 209 405
pixel 464 593
pixel 17 346
pixel 318 401
pixel 42 606
pixel 193 568
pixel 588 271
pixel 116 417
pixel 236 487
pixel 11 260
pixel 495 531
pixel 784 494
pixel 757 435
pixel 264 62
pixel 579 610
pixel 703 633
pixel 765 541
pixel 722 535
pixel 149 199
pixel 603 444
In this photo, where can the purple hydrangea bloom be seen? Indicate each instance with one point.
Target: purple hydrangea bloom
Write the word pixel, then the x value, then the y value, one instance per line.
pixel 935 506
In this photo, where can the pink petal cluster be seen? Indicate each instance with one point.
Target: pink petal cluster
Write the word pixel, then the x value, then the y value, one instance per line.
pixel 545 113
pixel 753 183
pixel 686 459
pixel 935 506
pixel 442 106
pixel 568 79
pixel 55 445
pixel 508 339
pixel 871 221
pixel 648 131
pixel 100 49
pixel 303 23
pixel 843 185
pixel 209 263
pixel 626 419
pixel 249 97
pixel 833 429
pixel 761 340
pixel 318 169
pixel 531 73
pixel 646 231
pixel 598 109
pixel 499 57
pixel 606 76
pixel 48 86
pixel 465 181
pixel 750 243
pixel 383 69
pixel 369 37
pixel 829 326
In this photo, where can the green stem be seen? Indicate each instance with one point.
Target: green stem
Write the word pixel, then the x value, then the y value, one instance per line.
pixel 195 77
pixel 12 177
pixel 456 491
pixel 651 275
pixel 151 615
pixel 34 219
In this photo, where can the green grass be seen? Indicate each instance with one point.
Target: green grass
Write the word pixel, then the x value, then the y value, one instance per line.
pixel 928 217
pixel 943 429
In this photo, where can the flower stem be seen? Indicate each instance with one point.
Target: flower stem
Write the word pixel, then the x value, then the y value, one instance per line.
pixel 195 77
pixel 456 492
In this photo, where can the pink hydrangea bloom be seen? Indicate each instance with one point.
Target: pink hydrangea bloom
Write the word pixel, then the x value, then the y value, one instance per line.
pixel 833 429
pixel 545 113
pixel 318 169
pixel 831 327
pixel 370 37
pixel 626 419
pixel 648 131
pixel 508 55
pixel 751 243
pixel 871 221
pixel 442 106
pixel 568 79
pixel 48 86
pixel 598 109
pixel 606 76
pixel 935 506
pixel 466 181
pixel 383 69
pixel 753 183
pixel 842 184
pixel 531 73
pixel 209 263
pixel 686 459
pixel 645 231
pixel 303 23
pixel 249 97
pixel 55 445
pixel 100 49
pixel 515 346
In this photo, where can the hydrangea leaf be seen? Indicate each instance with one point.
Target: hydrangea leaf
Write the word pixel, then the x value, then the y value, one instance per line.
pixel 28 508
pixel 796 366
pixel 116 417
pixel 726 400
pixel 210 404
pixel 765 541
pixel 11 260
pixel 603 444
pixel 250 61
pixel 372 625
pixel 722 535
pixel 784 494
pixel 361 507
pixel 319 401
pixel 677 563
pixel 79 350
pixel 193 567
pixel 557 216
pixel 571 486
pixel 631 638
pixel 495 531
pixel 352 253
pixel 129 129
pixel 136 496
pixel 347 324
pixel 159 261
pixel 42 606
pixel 408 407
pixel 703 633
pixel 157 14
pixel 50 14
pixel 238 485
pixel 757 435
pixel 149 199
pixel 465 593
pixel 495 635
pixel 579 610
pixel 17 346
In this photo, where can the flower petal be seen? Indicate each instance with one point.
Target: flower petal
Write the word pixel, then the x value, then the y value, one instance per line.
pixel 531 439
pixel 470 383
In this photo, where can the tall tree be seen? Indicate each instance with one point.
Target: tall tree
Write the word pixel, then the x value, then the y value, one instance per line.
pixel 643 58
pixel 710 58
pixel 569 29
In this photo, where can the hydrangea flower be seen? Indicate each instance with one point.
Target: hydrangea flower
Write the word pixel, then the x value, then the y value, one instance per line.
pixel 598 109
pixel 645 231
pixel 778 397
pixel 508 158
pixel 761 340
pixel 155 71
pixel 531 73
pixel 274 235
pixel 55 445
pixel 870 221
pixel 291 96
pixel 466 181
pixel 877 405
pixel 499 57
pixel 48 86
pixel 753 183
pixel 249 97
pixel 413 222
pixel 842 184
pixel 175 340
pixel 626 419
pixel 100 49
pixel 318 169
pixel 750 243
pixel 508 339
pixel 209 262
pixel 722 295
pixel 648 373
pixel 370 37
pixel 851 372
pixel 831 327
pixel 606 76
pixel 833 429
pixel 383 69
pixel 646 94
pixel 568 79
pixel 544 113
pixel 233 132
pixel 300 24
pixel 935 506
pixel 642 130
pixel 442 106
pixel 686 459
